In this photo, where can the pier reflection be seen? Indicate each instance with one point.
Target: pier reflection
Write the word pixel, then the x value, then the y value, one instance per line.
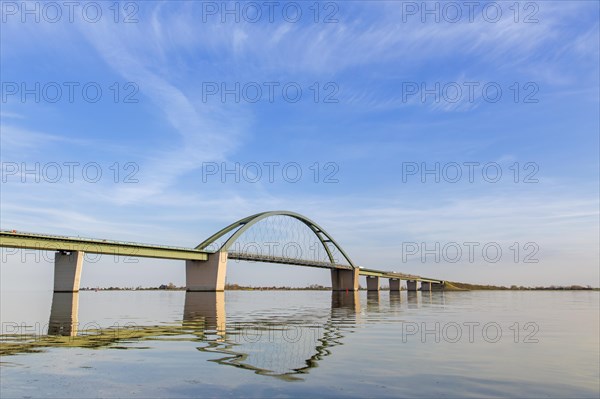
pixel 372 301
pixel 426 297
pixel 64 314
pixel 438 298
pixel 395 299
pixel 285 346
pixel 345 301
pixel 412 299
pixel 205 311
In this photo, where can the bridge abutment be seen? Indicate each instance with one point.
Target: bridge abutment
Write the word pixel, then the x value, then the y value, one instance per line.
pixel 411 285
pixel 67 271
pixel 344 279
pixel 206 275
pixel 437 286
pixel 394 284
pixel 372 283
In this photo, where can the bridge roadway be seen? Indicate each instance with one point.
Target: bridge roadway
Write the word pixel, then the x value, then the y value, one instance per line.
pixel 362 270
pixel 45 242
pixel 80 245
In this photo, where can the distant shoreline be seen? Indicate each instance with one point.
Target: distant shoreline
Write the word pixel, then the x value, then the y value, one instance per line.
pixel 452 286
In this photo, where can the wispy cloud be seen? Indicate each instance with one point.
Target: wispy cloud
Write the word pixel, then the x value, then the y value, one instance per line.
pixel 201 134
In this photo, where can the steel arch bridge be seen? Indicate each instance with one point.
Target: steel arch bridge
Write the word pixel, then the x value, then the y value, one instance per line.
pixel 232 233
pixel 206 263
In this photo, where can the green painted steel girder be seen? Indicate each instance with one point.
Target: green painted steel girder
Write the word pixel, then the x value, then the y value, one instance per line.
pixel 105 247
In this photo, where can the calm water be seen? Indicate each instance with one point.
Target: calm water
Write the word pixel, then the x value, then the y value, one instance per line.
pixel 282 344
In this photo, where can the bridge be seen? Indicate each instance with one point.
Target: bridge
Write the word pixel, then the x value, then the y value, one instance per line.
pixel 280 237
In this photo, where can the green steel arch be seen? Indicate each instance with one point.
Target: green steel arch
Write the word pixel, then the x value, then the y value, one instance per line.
pixel 244 224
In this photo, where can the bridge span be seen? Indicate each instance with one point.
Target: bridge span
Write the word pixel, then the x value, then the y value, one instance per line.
pixel 290 238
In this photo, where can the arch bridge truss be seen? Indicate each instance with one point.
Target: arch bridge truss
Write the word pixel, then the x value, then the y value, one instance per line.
pixel 279 237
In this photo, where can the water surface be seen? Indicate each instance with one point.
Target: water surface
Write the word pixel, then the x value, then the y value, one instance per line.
pixel 300 343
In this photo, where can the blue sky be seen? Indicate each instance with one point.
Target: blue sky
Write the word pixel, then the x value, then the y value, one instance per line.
pixel 170 56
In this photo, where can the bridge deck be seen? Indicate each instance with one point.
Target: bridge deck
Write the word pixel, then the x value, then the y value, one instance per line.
pixel 45 242
pixel 327 265
pixel 400 276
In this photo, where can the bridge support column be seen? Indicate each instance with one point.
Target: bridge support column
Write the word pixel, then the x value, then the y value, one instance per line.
pixel 425 286
pixel 372 283
pixel 67 271
pixel 437 286
pixel 394 284
pixel 344 279
pixel 411 285
pixel 206 275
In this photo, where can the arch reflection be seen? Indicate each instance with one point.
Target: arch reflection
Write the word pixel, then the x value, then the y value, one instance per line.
pixel 285 347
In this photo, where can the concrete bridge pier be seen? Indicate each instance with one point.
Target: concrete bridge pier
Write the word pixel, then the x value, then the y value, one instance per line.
pixel 206 275
pixel 372 283
pixel 344 279
pixel 67 271
pixel 425 286
pixel 411 285
pixel 394 284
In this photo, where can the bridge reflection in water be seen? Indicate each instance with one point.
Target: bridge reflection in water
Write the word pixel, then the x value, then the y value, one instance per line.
pixel 285 346
pixel 282 346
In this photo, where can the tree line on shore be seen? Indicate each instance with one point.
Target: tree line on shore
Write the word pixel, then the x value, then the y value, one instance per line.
pixel 317 287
